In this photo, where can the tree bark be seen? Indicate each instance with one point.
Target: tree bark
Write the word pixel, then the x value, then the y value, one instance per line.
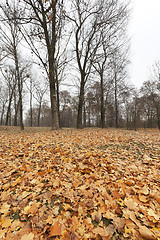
pixel 19 88
pixel 80 105
pixel 39 114
pixel 9 109
pixel 102 103
pixel 116 101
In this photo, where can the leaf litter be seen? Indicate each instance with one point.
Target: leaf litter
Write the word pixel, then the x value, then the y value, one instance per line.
pixel 79 184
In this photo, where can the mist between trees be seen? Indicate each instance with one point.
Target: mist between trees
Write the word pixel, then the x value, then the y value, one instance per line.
pixel 66 64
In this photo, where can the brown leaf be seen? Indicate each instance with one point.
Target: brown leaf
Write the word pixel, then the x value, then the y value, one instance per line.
pixel 147 233
pixel 100 231
pixel 143 198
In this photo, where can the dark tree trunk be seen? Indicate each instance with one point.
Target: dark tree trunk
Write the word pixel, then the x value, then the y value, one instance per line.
pixel 58 105
pixel 31 112
pixel 39 113
pixel 52 68
pixel 84 115
pixel 16 114
pixel 2 114
pixel 116 101
pixel 19 88
pixel 102 103
pixel 9 109
pixel 54 112
pixel 80 105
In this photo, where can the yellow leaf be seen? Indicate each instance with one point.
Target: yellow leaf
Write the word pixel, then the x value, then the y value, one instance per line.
pixel 26 209
pixel 6 223
pixel 153 214
pixel 5 208
pixel 127 229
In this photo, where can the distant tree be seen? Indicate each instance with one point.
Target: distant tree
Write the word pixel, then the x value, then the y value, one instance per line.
pixel 40 91
pixel 3 102
pixel 10 82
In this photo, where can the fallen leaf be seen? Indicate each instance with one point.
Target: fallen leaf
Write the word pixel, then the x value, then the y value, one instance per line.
pixel 29 236
pixel 6 223
pixel 143 198
pixel 55 230
pixel 147 233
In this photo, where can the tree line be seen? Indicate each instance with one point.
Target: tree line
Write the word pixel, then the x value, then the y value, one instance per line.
pixel 65 64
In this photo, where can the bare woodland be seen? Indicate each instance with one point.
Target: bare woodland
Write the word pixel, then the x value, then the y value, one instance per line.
pixel 65 64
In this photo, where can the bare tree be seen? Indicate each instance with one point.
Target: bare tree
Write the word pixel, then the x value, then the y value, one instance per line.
pixel 11 37
pixel 42 32
pixel 10 81
pixel 88 19
pixel 39 93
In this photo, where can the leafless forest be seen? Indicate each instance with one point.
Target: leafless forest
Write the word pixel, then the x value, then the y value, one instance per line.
pixel 65 64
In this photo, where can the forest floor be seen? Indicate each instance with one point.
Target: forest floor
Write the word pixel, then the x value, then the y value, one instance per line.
pixel 79 184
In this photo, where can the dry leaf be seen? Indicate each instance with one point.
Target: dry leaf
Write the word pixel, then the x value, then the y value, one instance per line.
pixel 147 233
pixel 5 208
pixel 109 215
pixel 55 230
pixel 153 214
pixel 131 204
pixel 143 198
pixel 6 222
pixel 29 236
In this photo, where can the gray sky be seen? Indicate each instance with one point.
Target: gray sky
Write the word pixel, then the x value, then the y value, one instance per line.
pixel 144 29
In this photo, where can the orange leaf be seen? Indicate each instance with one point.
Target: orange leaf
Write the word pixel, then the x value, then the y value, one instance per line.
pixel 55 230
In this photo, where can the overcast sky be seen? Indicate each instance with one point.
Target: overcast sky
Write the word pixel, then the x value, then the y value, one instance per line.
pixel 144 30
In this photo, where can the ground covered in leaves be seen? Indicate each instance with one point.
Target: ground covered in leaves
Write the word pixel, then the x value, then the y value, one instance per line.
pixel 79 184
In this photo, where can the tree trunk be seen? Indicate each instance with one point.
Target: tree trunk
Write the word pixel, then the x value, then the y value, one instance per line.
pixel 19 89
pixel 58 105
pixel 54 111
pixel 16 114
pixel 31 112
pixel 39 114
pixel 84 115
pixel 9 107
pixel 80 105
pixel 116 101
pixel 102 103
pixel 2 113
